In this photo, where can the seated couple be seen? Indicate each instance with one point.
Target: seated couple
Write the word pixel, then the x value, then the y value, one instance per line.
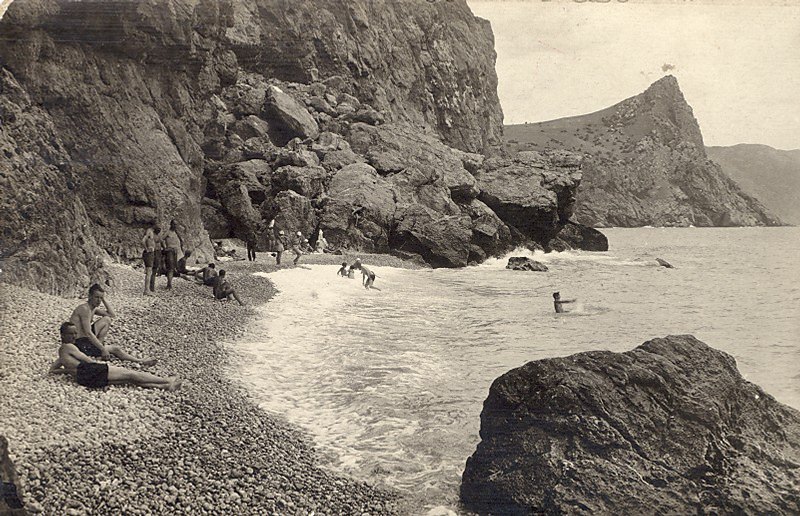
pixel 90 373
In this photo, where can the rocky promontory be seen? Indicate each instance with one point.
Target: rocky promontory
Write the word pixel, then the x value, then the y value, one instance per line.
pixel 671 427
pixel 375 122
pixel 645 164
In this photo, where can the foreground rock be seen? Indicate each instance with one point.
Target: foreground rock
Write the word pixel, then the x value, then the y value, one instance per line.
pixel 522 263
pixel 670 427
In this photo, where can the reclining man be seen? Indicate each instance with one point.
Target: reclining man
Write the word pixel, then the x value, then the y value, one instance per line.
pixel 96 375
pixel 92 334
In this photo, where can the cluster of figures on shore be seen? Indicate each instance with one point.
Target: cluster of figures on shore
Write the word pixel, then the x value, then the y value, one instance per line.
pixel 162 248
pixel 367 276
pixel 83 350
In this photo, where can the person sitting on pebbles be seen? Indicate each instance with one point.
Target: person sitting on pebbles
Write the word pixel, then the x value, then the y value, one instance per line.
pixel 185 271
pixel 92 334
pixel 95 375
pixel 207 275
pixel 224 290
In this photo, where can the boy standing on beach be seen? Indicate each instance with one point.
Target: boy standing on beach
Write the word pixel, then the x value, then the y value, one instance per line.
pixel 92 334
pixel 95 375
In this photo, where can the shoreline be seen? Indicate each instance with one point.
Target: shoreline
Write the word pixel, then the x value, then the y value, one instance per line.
pixel 204 449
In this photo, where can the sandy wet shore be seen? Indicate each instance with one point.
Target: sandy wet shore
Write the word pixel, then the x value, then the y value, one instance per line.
pixel 206 449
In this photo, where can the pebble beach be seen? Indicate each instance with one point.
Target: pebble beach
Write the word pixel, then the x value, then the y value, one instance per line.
pixel 205 449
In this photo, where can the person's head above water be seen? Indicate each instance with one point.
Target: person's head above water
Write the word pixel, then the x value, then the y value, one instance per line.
pixel 556 295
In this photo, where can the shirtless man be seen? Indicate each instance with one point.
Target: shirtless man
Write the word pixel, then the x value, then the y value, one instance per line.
pixel 171 244
pixel 297 244
pixel 207 275
pixel 96 375
pixel 92 334
pixel 558 302
pixel 149 256
pixel 224 290
pixel 367 277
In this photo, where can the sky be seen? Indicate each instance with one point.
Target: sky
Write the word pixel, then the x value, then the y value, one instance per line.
pixel 737 62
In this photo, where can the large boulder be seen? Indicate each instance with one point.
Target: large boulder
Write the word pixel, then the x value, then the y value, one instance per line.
pixel 291 211
pixel 292 118
pixel 359 209
pixel 391 148
pixel 572 235
pixel 670 427
pixel 533 192
pixel 441 240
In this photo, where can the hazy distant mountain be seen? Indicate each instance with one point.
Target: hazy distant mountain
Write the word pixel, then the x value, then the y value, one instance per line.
pixel 770 175
pixel 645 165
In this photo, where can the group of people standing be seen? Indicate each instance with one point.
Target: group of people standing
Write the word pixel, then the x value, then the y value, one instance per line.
pixel 160 254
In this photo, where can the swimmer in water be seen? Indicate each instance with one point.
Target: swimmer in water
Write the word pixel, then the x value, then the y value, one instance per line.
pixel 558 302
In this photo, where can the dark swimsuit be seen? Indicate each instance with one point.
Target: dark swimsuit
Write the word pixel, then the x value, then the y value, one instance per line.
pixel 92 375
pixel 85 345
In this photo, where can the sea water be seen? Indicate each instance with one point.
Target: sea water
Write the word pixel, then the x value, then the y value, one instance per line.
pixel 390 383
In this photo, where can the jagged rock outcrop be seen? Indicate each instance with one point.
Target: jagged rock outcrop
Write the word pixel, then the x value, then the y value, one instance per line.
pixel 645 164
pixel 670 427
pixel 770 175
pixel 224 115
pixel 46 241
pixel 522 263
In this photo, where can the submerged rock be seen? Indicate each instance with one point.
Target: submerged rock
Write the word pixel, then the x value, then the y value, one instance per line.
pixel 522 263
pixel 670 427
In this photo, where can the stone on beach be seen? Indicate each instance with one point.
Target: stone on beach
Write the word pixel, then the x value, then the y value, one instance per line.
pixel 670 426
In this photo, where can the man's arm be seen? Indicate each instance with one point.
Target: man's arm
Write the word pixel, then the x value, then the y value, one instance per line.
pixel 55 367
pixel 108 312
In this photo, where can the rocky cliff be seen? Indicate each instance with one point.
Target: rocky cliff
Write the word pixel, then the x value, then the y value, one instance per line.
pixel 670 427
pixel 369 120
pixel 645 165
pixel 770 175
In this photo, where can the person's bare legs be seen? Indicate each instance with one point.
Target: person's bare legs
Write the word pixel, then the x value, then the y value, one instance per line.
pixel 148 274
pixel 235 296
pixel 121 354
pixel 101 327
pixel 120 375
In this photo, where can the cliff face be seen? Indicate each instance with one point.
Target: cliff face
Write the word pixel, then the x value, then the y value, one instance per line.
pixel 671 427
pixel 770 175
pixel 222 115
pixel 645 165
